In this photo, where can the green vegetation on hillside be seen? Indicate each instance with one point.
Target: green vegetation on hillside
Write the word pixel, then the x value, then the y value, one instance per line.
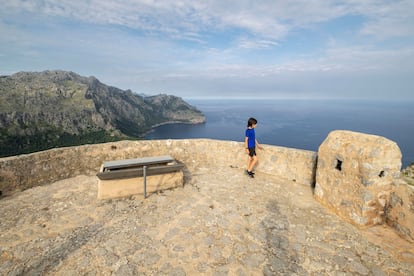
pixel 51 109
pixel 22 144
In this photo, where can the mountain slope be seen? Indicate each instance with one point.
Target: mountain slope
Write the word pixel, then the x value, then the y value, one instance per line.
pixel 58 108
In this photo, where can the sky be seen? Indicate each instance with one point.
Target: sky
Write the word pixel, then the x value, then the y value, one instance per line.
pixel 308 49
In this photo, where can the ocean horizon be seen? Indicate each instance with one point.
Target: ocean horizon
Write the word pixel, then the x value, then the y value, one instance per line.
pixel 302 124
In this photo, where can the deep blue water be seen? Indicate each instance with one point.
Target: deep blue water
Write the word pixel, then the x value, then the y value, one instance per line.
pixel 302 124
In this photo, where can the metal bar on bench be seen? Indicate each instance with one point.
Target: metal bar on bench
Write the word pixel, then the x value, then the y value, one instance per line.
pixel 145 181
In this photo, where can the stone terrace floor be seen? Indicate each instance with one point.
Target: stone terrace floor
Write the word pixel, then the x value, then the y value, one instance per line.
pixel 219 223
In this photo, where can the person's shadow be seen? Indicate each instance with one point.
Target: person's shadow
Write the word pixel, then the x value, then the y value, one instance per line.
pixel 282 260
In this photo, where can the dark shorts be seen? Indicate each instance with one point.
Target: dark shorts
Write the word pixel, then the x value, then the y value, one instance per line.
pixel 252 151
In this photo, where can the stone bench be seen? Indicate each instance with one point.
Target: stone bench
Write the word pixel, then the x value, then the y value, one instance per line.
pixel 128 177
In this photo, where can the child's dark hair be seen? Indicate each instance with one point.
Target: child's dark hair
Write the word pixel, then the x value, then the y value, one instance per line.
pixel 251 122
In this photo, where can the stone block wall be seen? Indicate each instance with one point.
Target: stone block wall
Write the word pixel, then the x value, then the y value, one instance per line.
pixel 358 177
pixel 26 171
pixel 399 209
pixel 365 190
pixel 354 170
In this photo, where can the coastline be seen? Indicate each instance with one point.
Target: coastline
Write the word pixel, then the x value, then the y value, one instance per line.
pixel 303 124
pixel 153 127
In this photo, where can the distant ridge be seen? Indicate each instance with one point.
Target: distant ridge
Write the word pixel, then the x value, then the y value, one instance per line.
pixel 42 110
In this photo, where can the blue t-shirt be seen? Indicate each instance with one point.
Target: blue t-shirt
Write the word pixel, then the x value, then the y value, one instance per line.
pixel 251 138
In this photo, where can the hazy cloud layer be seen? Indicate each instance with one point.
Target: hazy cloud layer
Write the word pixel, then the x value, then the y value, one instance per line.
pixel 192 48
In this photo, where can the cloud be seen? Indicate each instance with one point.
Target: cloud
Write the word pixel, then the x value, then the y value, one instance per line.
pixel 257 44
pixel 387 19
pixel 268 19
pixel 186 46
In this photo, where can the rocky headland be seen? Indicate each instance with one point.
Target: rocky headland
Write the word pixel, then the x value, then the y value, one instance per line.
pixel 43 110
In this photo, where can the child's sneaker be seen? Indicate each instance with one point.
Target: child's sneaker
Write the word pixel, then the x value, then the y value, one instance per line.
pixel 249 173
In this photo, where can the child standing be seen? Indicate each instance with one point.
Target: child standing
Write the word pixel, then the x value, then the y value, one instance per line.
pixel 250 145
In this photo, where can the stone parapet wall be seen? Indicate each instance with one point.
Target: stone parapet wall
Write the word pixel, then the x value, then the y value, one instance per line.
pixel 26 171
pixel 358 177
pixel 354 173
pixel 399 209
pixel 394 199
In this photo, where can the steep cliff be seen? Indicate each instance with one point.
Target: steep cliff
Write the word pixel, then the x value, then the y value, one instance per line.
pixel 58 108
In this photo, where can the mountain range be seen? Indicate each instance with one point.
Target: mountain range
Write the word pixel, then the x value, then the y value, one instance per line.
pixel 42 110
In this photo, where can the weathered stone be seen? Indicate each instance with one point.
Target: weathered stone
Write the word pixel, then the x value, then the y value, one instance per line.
pixel 220 221
pixel 31 170
pixel 147 237
pixel 400 211
pixel 353 171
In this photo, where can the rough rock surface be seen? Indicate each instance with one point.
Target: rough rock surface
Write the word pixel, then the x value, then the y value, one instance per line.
pixel 355 174
pixel 220 223
pixel 29 170
pixel 43 110
pixel 408 174
pixel 400 210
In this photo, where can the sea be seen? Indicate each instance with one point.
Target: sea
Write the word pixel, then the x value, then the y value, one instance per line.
pixel 301 124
